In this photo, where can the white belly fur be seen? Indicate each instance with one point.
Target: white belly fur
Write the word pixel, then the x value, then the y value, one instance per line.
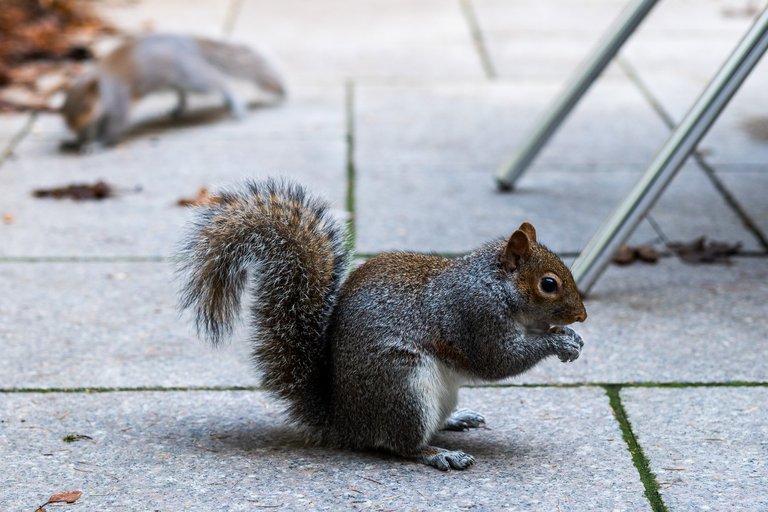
pixel 439 386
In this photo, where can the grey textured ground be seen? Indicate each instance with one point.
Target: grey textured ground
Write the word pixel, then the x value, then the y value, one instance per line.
pixel 399 113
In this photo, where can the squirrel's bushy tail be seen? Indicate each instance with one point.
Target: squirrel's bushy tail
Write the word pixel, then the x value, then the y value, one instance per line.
pixel 284 245
pixel 243 62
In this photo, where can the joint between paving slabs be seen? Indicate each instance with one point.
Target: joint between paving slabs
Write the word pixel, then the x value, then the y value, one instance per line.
pixel 565 385
pixel 230 19
pixel 470 15
pixel 701 161
pixel 349 106
pixel 638 457
pixel 10 148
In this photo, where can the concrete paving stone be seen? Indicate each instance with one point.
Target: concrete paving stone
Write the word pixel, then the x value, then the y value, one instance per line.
pixel 713 18
pixel 70 325
pixel 484 124
pixel 750 187
pixel 692 207
pixel 552 56
pixel 446 208
pixel 716 437
pixel 208 17
pixel 677 72
pixel 11 126
pixel 545 449
pixel 115 324
pixel 336 40
pixel 167 164
pixel 499 17
pixel 529 39
pixel 671 322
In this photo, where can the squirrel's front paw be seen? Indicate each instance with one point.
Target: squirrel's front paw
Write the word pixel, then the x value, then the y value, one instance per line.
pixel 567 344
pixel 464 419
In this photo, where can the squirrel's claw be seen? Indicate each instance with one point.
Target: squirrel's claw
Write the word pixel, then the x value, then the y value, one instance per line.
pixel 445 460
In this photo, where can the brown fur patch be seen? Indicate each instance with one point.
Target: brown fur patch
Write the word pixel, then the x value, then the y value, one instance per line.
pixel 409 269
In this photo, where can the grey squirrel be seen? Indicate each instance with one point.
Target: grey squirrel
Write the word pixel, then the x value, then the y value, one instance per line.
pixel 372 360
pixel 97 105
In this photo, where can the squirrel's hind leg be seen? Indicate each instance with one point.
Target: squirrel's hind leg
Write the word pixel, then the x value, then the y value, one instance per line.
pixel 445 460
pixel 464 419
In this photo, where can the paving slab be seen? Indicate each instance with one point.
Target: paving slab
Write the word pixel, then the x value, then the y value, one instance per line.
pixel 303 141
pixel 749 187
pixel 706 446
pixel 11 125
pixel 337 40
pixel 529 39
pixel 677 72
pixel 208 17
pixel 421 150
pixel 484 124
pixel 671 322
pixel 713 18
pixel 445 209
pixel 73 325
pixel 545 449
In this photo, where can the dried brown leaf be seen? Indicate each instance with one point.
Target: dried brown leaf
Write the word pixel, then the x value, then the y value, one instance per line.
pixel 624 255
pixel 78 191
pixel 647 253
pixel 203 198
pixel 66 497
pixel 700 250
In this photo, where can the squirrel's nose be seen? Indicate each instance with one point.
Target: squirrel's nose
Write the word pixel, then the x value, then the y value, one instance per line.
pixel 580 316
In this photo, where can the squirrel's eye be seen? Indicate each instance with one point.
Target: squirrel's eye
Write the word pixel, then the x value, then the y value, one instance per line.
pixel 548 285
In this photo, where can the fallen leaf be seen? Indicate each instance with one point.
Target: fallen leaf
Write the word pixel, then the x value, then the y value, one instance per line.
pixel 43 34
pixel 203 198
pixel 747 11
pixel 627 254
pixel 700 250
pixel 66 497
pixel 77 191
pixel 624 255
pixel 8 218
pixel 647 254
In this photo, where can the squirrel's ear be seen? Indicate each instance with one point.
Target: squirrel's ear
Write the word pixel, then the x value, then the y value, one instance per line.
pixel 518 247
pixel 529 230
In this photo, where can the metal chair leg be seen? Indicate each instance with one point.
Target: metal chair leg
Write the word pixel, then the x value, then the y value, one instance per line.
pixel 622 28
pixel 683 140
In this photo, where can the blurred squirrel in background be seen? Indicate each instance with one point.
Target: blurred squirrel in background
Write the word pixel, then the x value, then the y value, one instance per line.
pixel 98 104
pixel 375 359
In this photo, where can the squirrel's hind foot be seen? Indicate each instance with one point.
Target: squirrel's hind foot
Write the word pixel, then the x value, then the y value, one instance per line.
pixel 445 460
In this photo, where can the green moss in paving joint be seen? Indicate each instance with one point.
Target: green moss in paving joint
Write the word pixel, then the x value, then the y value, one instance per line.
pixel 73 438
pixel 349 103
pixel 638 457
pixel 564 385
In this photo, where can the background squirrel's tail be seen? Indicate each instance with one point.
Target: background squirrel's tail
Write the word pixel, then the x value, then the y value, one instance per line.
pixel 243 62
pixel 286 247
